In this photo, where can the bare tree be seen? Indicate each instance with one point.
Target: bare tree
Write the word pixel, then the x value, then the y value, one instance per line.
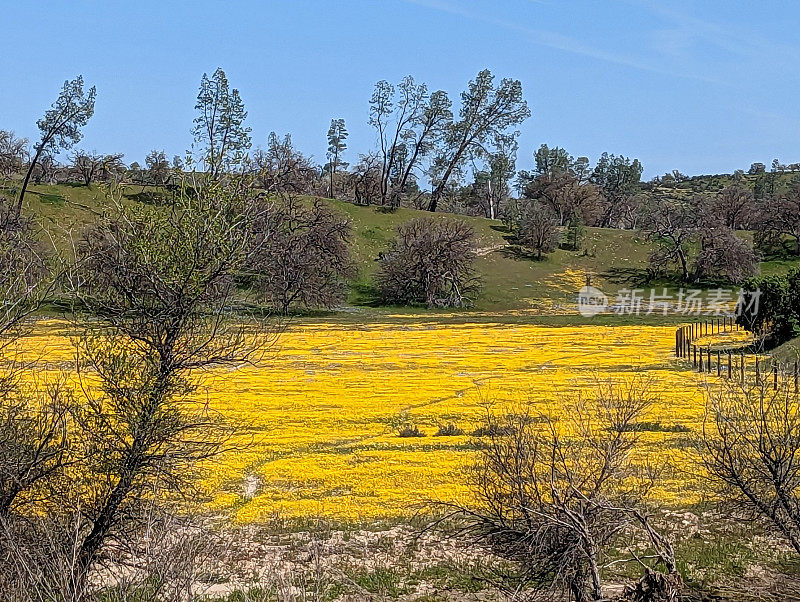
pixel 734 205
pixel 555 493
pixel 32 421
pixel 282 168
pixel 61 126
pixel 91 166
pixel 537 228
pixel 366 179
pixel 430 262
pixel 724 256
pixel 671 223
pixel 781 218
pixel 34 441
pixel 13 153
pixel 24 278
pixel 302 256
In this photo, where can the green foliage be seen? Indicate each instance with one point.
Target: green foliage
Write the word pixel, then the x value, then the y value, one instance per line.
pixel 774 311
pixel 219 131
pixel 574 234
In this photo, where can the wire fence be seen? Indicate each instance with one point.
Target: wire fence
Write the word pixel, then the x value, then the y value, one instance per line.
pixel 730 362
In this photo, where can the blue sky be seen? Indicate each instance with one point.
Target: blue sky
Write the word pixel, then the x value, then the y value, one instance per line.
pixel 703 87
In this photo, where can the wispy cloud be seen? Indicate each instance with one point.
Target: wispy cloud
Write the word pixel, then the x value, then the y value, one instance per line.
pixel 684 30
pixel 557 41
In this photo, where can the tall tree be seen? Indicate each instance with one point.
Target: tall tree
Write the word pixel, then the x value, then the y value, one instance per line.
pixel 486 112
pixel 219 129
pixel 562 184
pixel 618 178
pixel 61 125
pixel 492 183
pixel 337 135
pixel 404 127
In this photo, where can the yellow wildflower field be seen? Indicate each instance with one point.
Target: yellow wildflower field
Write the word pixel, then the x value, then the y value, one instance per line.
pixel 320 418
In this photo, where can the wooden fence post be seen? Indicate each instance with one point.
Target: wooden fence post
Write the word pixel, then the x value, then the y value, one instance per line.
pixel 741 366
pixel 730 366
pixel 774 378
pixel 719 363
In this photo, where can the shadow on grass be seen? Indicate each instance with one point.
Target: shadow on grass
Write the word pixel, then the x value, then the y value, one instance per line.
pixel 149 197
pixel 500 228
pixel 785 251
pixel 632 276
pixel 364 294
pixel 520 254
pixel 49 198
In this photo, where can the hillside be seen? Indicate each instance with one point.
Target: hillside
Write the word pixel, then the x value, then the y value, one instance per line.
pixel 612 259
pixel 713 183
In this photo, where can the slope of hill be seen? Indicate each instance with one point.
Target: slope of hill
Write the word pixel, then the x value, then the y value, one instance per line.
pixel 610 259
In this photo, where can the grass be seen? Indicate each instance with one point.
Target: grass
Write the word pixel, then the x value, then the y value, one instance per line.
pixel 788 352
pixel 610 259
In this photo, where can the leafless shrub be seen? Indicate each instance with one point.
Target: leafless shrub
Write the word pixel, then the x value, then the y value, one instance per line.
pixel 410 430
pixel 23 269
pixel 300 255
pixel 168 560
pixel 537 228
pixel 751 451
pixel 449 430
pixel 38 559
pixel 723 255
pixel 554 495
pixel 429 262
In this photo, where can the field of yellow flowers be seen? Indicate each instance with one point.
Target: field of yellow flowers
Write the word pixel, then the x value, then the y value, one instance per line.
pixel 320 419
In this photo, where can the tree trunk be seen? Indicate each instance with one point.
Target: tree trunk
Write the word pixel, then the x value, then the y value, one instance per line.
pixel 684 266
pixel 18 210
pixel 437 192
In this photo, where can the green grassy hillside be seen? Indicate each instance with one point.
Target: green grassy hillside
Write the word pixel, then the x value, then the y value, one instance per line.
pixel 611 259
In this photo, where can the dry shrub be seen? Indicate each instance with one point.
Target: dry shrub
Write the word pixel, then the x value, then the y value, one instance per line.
pixel 556 494
pixel 430 262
